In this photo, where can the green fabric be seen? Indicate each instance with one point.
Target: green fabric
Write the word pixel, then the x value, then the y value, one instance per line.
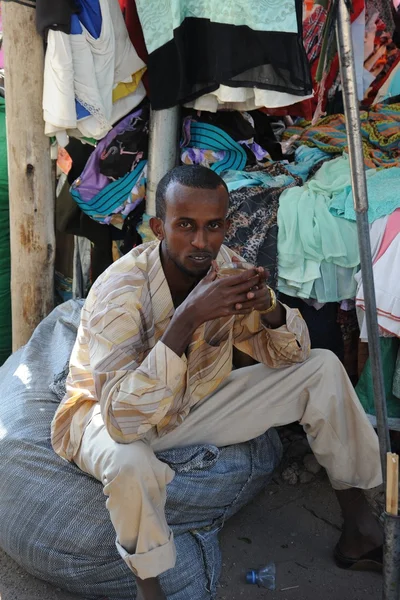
pixel 5 271
pixel 389 349
pixel 309 236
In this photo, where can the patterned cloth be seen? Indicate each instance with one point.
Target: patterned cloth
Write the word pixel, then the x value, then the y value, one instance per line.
pixel 384 58
pixel 141 384
pixel 253 230
pixel 380 129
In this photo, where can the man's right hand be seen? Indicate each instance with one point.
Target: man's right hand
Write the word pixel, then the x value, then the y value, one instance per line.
pixel 212 298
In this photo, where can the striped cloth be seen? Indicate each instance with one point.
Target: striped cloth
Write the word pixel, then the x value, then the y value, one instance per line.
pixel 210 146
pixel 120 361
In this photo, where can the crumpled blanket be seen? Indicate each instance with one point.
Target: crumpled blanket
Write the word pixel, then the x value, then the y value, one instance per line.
pixel 380 129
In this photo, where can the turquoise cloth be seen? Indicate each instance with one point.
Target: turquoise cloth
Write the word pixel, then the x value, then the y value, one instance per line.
pixel 310 238
pixel 383 195
pixel 305 160
pixel 236 180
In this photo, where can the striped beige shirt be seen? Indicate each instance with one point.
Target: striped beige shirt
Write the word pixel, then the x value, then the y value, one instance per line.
pixel 120 362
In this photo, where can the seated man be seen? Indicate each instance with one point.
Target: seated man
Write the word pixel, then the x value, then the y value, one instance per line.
pixel 152 370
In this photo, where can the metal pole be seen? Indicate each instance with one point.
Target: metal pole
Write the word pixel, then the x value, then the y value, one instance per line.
pixel 163 150
pixel 359 186
pixel 391 558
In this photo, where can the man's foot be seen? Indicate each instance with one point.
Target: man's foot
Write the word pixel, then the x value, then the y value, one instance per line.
pixel 150 589
pixel 362 533
pixel 371 561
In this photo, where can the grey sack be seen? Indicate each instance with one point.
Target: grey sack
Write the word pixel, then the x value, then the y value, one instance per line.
pixel 53 518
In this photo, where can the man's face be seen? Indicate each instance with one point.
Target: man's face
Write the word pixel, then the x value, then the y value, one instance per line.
pixel 194 227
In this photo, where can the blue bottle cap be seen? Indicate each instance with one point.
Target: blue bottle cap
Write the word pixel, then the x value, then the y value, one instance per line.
pixel 251 576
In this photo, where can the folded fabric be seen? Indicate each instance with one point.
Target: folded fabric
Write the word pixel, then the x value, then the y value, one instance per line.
pixel 83 68
pixel 113 181
pixel 383 195
pixel 309 235
pixel 210 146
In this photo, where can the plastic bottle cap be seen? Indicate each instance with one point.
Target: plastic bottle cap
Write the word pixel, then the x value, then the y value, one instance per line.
pixel 251 576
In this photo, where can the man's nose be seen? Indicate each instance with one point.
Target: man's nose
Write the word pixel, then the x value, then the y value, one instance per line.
pixel 200 240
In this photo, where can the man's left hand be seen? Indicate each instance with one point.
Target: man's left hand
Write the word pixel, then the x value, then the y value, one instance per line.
pixel 259 297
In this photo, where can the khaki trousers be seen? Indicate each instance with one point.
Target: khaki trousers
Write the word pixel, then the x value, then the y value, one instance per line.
pixel 316 393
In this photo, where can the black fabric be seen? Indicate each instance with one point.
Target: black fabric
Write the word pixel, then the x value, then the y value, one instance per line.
pixel 54 14
pixel 264 134
pixel 322 324
pixel 128 148
pixel 203 55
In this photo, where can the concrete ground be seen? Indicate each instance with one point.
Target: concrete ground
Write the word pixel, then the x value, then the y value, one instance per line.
pixel 294 526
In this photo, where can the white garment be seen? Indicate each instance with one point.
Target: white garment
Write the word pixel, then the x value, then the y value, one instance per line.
pixel 242 98
pixel 358 35
pixel 387 283
pixel 80 67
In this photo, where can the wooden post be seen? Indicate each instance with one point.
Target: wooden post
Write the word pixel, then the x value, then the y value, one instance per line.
pixel 31 186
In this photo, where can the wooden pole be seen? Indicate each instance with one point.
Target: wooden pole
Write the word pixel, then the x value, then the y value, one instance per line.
pixel 31 186
pixel 392 485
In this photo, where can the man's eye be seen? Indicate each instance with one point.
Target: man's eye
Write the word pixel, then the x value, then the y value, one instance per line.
pixel 185 225
pixel 215 225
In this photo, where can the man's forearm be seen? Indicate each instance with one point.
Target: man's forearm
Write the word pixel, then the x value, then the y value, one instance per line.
pixel 276 318
pixel 179 332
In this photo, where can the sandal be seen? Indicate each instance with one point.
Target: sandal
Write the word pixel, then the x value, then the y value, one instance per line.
pixel 370 561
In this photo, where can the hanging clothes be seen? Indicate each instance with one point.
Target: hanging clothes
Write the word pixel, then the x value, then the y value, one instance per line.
pixel 82 70
pixel 54 15
pixel 193 48
pixel 386 280
pixel 241 98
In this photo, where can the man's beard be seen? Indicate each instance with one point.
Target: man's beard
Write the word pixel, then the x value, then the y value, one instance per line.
pixel 187 272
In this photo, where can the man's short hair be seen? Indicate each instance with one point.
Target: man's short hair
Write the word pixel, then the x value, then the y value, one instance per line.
pixel 193 176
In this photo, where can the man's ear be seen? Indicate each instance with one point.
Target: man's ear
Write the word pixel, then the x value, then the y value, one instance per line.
pixel 157 227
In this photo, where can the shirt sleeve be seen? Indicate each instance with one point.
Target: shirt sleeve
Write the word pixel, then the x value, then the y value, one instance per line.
pixel 282 347
pixel 135 386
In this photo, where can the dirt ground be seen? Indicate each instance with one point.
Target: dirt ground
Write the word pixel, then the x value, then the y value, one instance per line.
pixel 294 526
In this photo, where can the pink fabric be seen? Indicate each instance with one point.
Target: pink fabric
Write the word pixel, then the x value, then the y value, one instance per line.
pixel 392 229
